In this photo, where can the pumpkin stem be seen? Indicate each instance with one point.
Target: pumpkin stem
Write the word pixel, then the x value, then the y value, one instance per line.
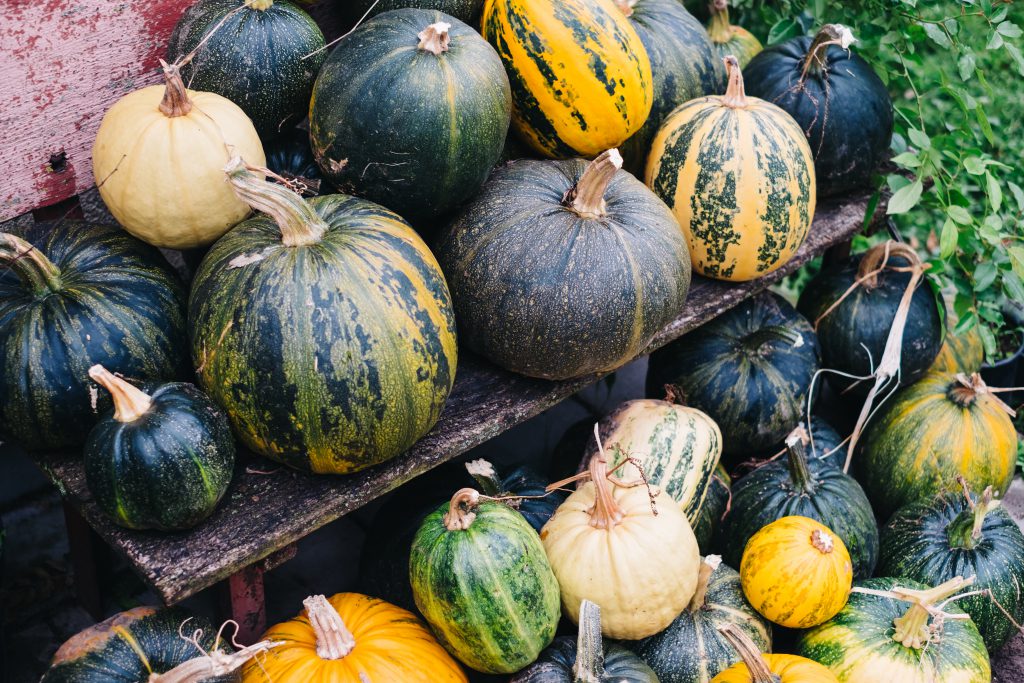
pixel 822 541
pixel 298 221
pixel 261 5
pixel 796 449
pixel 333 639
pixel 700 597
pixel 130 402
pixel 830 34
pixel 586 198
pixel 606 513
pixel 461 510
pixel 217 665
pixel 486 477
pixel 626 6
pixel 719 29
pixel 735 94
pixel 30 265
pixel 878 257
pixel 175 101
pixel 748 652
pixel 912 628
pixel 435 38
pixel 589 666
pixel 965 391
pixel 965 531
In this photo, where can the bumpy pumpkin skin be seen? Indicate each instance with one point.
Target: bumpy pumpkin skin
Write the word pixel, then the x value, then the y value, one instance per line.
pixel 546 292
pixel 118 304
pixel 581 79
pixel 415 131
pixel 749 369
pixel 923 439
pixel 789 669
pixel 857 645
pixel 349 381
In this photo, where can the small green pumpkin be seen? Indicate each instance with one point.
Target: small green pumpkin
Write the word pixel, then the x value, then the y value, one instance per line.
pixel 728 39
pixel 290 156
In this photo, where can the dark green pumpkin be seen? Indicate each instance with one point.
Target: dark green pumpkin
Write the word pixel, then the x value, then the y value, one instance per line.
pixel 324 329
pixel 839 101
pixel 481 579
pixel 797 485
pixel 73 295
pixel 563 268
pixel 749 369
pixel 463 10
pixel 683 64
pixel 854 333
pixel 161 460
pixel 536 506
pixel 290 156
pixel 934 541
pixel 586 658
pixel 691 649
pixel 716 502
pixel 264 57
pixel 826 444
pixel 409 115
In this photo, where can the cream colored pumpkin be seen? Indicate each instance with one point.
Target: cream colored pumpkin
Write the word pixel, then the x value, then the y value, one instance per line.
pixel 159 157
pixel 606 545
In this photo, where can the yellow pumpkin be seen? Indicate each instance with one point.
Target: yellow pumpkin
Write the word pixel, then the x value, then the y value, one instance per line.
pixel 581 79
pixel 761 668
pixel 963 352
pixel 605 544
pixel 796 572
pixel 159 159
pixel 353 638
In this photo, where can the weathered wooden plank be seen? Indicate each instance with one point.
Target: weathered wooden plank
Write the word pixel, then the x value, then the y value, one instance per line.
pixel 263 512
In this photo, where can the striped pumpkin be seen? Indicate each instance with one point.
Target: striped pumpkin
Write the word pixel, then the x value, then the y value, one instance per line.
pixel 581 79
pixel 932 432
pixel 739 175
pixel 324 329
pixel 677 447
pixel 728 39
pixel 961 351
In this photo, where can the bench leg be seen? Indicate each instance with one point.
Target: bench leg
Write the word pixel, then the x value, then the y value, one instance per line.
pixel 247 604
pixel 86 552
pixel 837 253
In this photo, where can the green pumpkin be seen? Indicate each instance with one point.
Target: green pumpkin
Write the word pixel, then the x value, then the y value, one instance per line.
pixel 290 156
pixel 691 649
pixel 73 295
pixel 683 64
pixel 560 269
pixel 161 460
pixel 264 57
pixel 878 638
pixel 961 351
pixel 716 502
pixel 800 486
pixel 587 658
pixel 481 579
pixel 749 369
pixel 411 111
pixel 953 535
pixel 463 10
pixel 826 443
pixel 324 329
pixel 728 39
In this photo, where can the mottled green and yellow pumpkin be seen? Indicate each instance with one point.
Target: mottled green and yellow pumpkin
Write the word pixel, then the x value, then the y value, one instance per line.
pixel 728 39
pixel 760 668
pixel 739 175
pixel 324 328
pixel 962 351
pixel 581 78
pixel 928 434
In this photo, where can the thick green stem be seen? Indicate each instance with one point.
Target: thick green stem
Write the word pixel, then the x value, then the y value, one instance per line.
pixel 130 402
pixel 485 476
pixel 298 221
pixel 748 652
pixel 830 34
pixel 35 271
pixel 589 666
pixel 911 629
pixel 719 29
pixel 796 452
pixel 735 93
pixel 965 531
pixel 587 197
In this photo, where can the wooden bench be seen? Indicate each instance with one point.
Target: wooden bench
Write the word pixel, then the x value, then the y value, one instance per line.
pixel 73 60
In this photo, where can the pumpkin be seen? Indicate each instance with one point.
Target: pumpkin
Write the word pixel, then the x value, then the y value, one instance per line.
pixel 353 638
pixel 480 578
pixel 962 351
pixel 853 332
pixel 625 548
pixel 691 649
pixel 839 101
pixel 157 163
pixel 932 432
pixel 263 55
pixel 588 658
pixel 728 39
pixel 674 447
pixel 536 505
pixel 887 633
pixel 145 645
pixel 716 503
pixel 799 485
pixel 826 444
pixel 290 156
pixel 411 111
pixel 161 460
pixel 467 11
pixel 796 572
pixel 564 268
pixel 581 79
pixel 323 328
pixel 739 175
pixel 749 369
pixel 758 668
pixel 683 66
pixel 71 297
pixel 933 541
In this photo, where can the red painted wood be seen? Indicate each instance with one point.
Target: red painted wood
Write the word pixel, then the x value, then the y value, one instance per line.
pixel 247 603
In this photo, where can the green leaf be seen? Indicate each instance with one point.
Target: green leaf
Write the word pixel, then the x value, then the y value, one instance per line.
pixel 974 165
pixel 995 42
pixel 1016 253
pixel 1009 29
pixel 907 160
pixel 995 193
pixel 919 138
pixel 959 214
pixel 967 65
pixel 952 25
pixel 937 35
pixel 1013 286
pixel 1015 53
pixel 1018 194
pixel 984 276
pixel 948 239
pixel 986 127
pixel 986 6
pixel 783 30
pixel 905 198
pixel 999 15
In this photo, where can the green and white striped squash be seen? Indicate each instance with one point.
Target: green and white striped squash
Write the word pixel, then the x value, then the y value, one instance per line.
pixel 323 328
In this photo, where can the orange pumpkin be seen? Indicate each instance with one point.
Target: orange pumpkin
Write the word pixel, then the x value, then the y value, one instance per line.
pixel 760 668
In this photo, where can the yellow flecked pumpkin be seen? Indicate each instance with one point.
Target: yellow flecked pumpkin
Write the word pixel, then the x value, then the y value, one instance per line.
pixel 158 162
pixel 796 572
pixel 760 668
pixel 353 638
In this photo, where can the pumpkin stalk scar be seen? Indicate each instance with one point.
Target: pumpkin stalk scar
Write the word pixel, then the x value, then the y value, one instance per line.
pixel 461 510
pixel 735 94
pixel 130 402
pixel 333 639
pixel 586 198
pixel 822 542
pixel 435 38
